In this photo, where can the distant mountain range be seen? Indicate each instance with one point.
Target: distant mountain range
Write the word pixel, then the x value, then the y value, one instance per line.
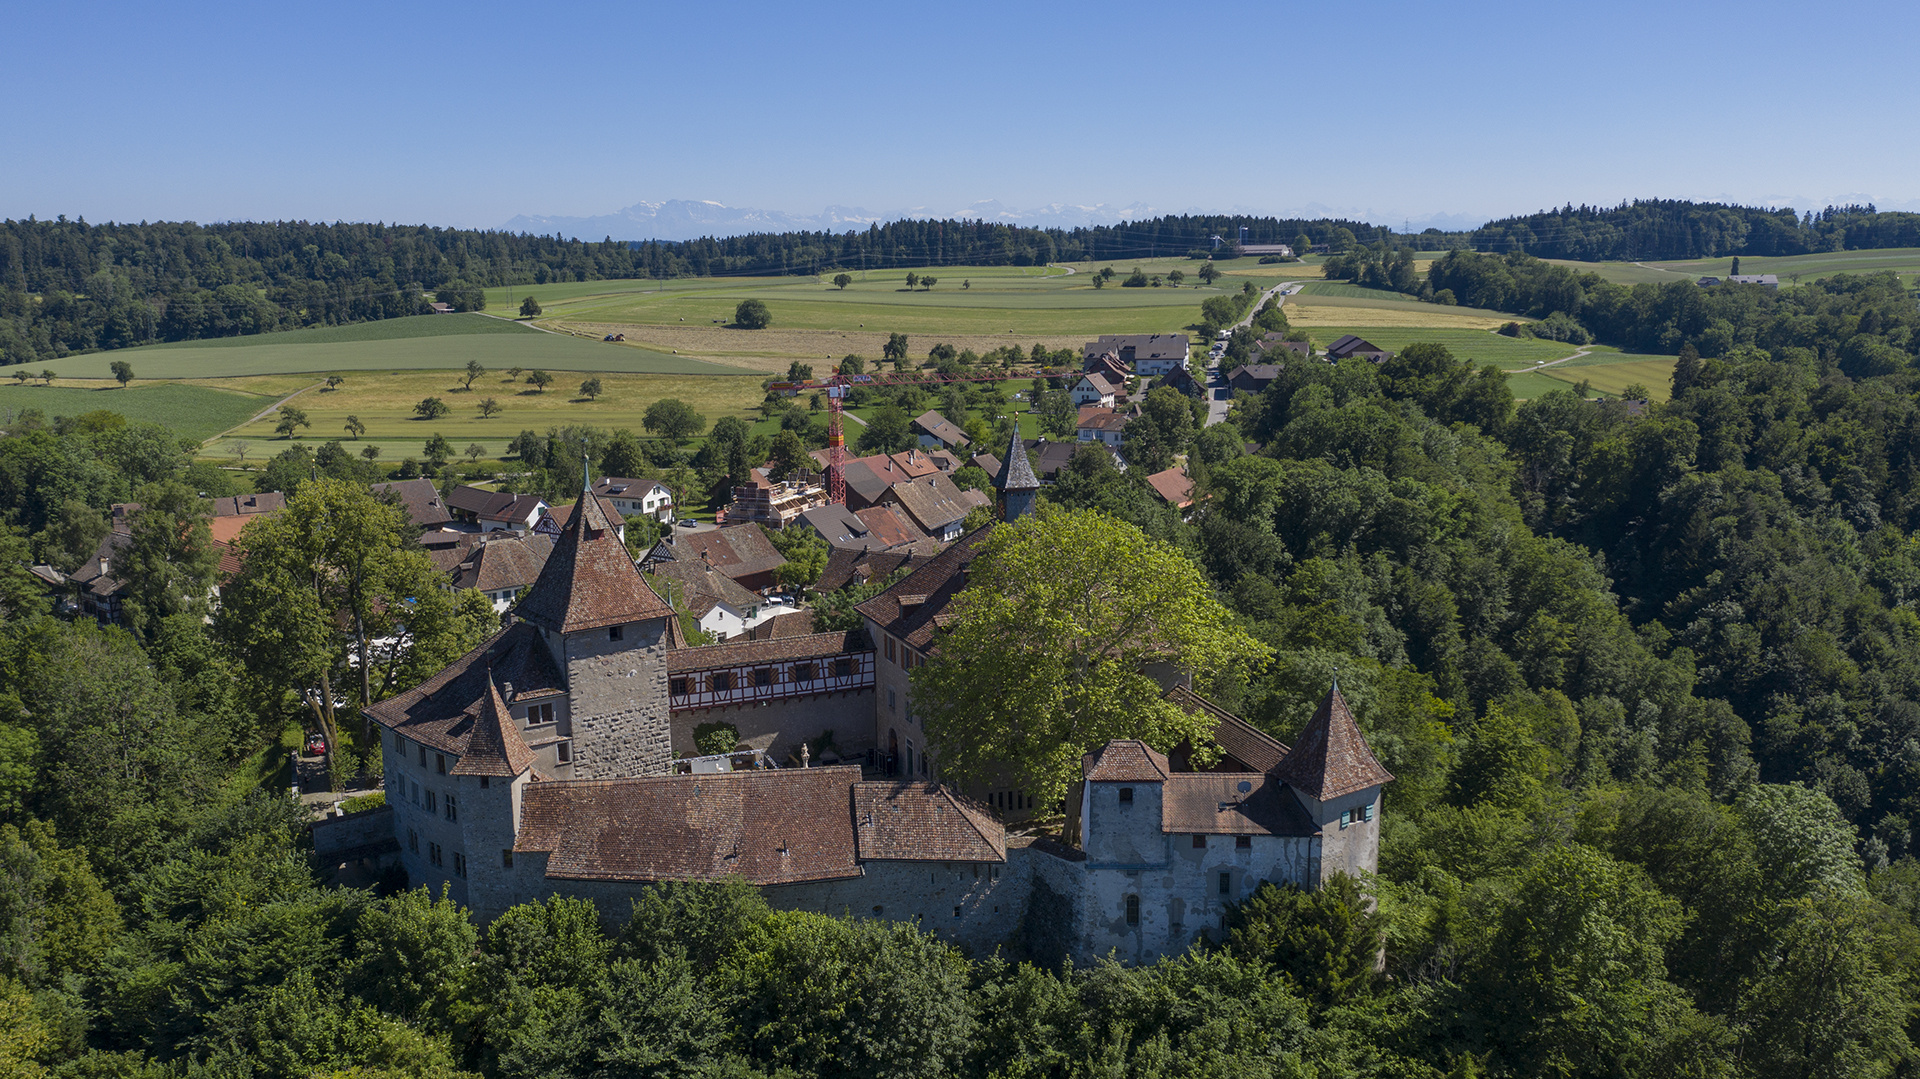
pixel 686 219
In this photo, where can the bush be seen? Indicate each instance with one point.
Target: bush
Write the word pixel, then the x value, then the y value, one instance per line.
pixel 712 738
pixel 360 803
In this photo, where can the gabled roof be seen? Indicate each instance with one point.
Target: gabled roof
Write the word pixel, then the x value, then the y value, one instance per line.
pixel 869 477
pixel 562 514
pixel 1102 421
pixel 494 748
pixel 933 502
pixel 737 653
pixel 624 487
pixel 1231 803
pixel 936 583
pixel 890 529
pixel 736 550
pixel 1236 737
pixel 422 502
pixel 933 423
pixel 915 463
pixel 849 566
pixel 1348 344
pixel 1126 760
pixel 1018 475
pixel 1331 758
pixel 441 711
pixel 924 822
pixel 499 565
pixel 590 581
pixel 1099 384
pixel 1173 487
pixel 698 587
pixel 766 827
pixel 237 505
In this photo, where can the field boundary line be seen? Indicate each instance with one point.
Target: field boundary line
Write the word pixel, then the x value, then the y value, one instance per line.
pixel 270 410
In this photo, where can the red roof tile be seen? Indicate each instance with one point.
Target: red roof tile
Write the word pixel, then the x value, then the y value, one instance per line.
pixel 1126 760
pixel 1231 803
pixel 1172 486
pixel 737 652
pixel 590 580
pixel 924 822
pixel 1332 758
pixel 766 827
pixel 494 748
pixel 441 712
pixel 1236 737
pixel 936 583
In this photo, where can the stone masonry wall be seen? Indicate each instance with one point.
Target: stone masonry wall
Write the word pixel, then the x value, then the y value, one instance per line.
pixel 779 726
pixel 618 696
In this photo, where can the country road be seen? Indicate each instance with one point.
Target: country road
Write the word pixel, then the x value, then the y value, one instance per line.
pixel 1219 394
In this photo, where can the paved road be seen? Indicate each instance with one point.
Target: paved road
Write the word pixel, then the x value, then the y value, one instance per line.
pixel 1219 394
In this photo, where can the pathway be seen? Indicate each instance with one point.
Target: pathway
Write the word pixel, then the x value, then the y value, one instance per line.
pixel 1585 350
pixel 270 410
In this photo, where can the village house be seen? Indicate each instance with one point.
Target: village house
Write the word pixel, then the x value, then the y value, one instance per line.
pixel 637 498
pixel 742 552
pixel 876 528
pixel 935 505
pixel 501 564
pixel 1102 425
pixel 1347 345
pixel 719 606
pixel 422 501
pixel 1148 354
pixel 935 432
pixel 495 511
pixel 1185 381
pixel 1108 366
pixel 775 503
pixel 1252 377
pixel 1093 390
pixel 1174 488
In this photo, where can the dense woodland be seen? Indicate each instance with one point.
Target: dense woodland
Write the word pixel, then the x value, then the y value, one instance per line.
pixel 1675 229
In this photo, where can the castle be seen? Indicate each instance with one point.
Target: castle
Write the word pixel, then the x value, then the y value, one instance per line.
pixel 543 763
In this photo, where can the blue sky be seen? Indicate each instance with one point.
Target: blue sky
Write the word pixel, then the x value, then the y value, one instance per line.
pixel 470 114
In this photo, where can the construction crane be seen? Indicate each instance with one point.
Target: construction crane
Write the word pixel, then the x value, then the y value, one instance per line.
pixel 837 385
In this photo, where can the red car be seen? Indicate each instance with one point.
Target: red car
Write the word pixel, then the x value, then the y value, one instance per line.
pixel 316 746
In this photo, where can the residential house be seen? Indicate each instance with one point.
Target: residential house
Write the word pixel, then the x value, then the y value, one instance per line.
pixel 1093 390
pixel 775 503
pixel 1108 366
pixel 847 566
pixel 1252 377
pixel 935 432
pixel 1174 488
pixel 637 498
pixel 422 501
pixel 1285 251
pixel 1274 348
pixel 718 604
pixel 869 478
pixel 495 511
pixel 1148 354
pixel 1184 380
pixel 936 505
pixel 876 528
pixel 500 564
pixel 741 552
pixel 1102 425
pixel 1350 346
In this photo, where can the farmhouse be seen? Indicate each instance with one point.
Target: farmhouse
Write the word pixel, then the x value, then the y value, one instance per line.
pixel 935 432
pixel 501 564
pixel 1148 354
pixel 1349 345
pixel 1102 425
pixel 495 511
pixel 1252 377
pixel 422 501
pixel 1174 487
pixel 637 498
pixel 741 552
pixel 1093 390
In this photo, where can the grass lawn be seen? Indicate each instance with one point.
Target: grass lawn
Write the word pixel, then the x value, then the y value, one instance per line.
pixel 193 411
pixel 1655 373
pixel 384 402
pixel 392 329
pixel 1792 269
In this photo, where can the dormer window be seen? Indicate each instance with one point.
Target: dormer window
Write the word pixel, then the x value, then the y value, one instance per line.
pixel 1126 796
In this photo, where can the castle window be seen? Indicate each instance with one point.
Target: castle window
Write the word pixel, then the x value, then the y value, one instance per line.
pixel 763 676
pixel 1366 812
pixel 431 802
pixel 804 672
pixel 453 813
pixel 433 854
pixel 539 713
pixel 879 910
pixel 413 841
pixel 1126 796
pixel 1199 841
pixel 956 912
pixel 893 703
pixel 890 650
pixel 563 752
pixel 613 632
pixel 1243 842
pixel 1226 883
pixel 460 865
pixel 440 763
pixel 1346 818
pixel 843 667
pixel 679 687
pixel 423 756
pixel 1133 910
pixel 506 857
pixel 483 782
pixel 721 681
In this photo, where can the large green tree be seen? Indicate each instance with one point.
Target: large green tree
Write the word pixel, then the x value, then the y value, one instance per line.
pixel 1050 650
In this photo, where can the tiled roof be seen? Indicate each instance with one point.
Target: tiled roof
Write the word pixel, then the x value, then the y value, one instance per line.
pixel 847 566
pixel 933 502
pixel 440 712
pixel 238 505
pixel 1146 346
pixel 736 550
pixel 509 563
pixel 625 487
pixel 562 514
pixel 738 653
pixel 1253 374
pixel 869 477
pixel 421 501
pixel 1235 736
pixel 494 746
pixel 1332 758
pixel 1104 420
pixel 938 582
pixel 915 463
pixel 840 527
pixel 1215 803
pixel 590 581
pixel 1125 760
pixel 765 827
pixel 935 424
pixel 924 822
pixel 1018 475
pixel 1099 384
pixel 890 529
pixel 783 626
pixel 1172 486
pixel 693 581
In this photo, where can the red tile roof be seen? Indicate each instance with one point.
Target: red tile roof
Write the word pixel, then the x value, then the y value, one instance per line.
pixel 494 747
pixel 771 650
pixel 1239 739
pixel 1332 758
pixel 502 562
pixel 924 822
pixel 890 529
pixel 736 550
pixel 1231 803
pixel 590 581
pixel 1126 760
pixel 1173 486
pixel 766 827
pixel 441 712
pixel 936 583
pixel 419 498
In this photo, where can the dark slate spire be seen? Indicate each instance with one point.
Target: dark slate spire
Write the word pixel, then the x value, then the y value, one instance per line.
pixel 589 581
pixel 495 747
pixel 1016 482
pixel 1332 758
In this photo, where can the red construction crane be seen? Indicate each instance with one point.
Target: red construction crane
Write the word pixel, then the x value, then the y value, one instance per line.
pixel 836 386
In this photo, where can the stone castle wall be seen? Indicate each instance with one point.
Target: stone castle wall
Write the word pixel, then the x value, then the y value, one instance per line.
pixel 779 726
pixel 618 696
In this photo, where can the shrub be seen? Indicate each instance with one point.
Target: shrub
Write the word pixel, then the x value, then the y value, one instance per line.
pixel 712 738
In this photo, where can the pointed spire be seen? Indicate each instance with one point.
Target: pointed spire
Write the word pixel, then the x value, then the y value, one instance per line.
pixel 495 747
pixel 1017 473
pixel 589 581
pixel 1331 758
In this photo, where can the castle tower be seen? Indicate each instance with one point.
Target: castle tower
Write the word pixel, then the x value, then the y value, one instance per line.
pixel 1017 483
pixel 1337 780
pixel 492 777
pixel 607 632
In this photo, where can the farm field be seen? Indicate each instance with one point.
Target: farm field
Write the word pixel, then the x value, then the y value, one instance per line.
pixel 268 354
pixel 1904 261
pixel 193 411
pixel 384 402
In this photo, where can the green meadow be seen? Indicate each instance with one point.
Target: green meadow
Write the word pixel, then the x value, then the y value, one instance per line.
pixel 193 411
pixel 1791 269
